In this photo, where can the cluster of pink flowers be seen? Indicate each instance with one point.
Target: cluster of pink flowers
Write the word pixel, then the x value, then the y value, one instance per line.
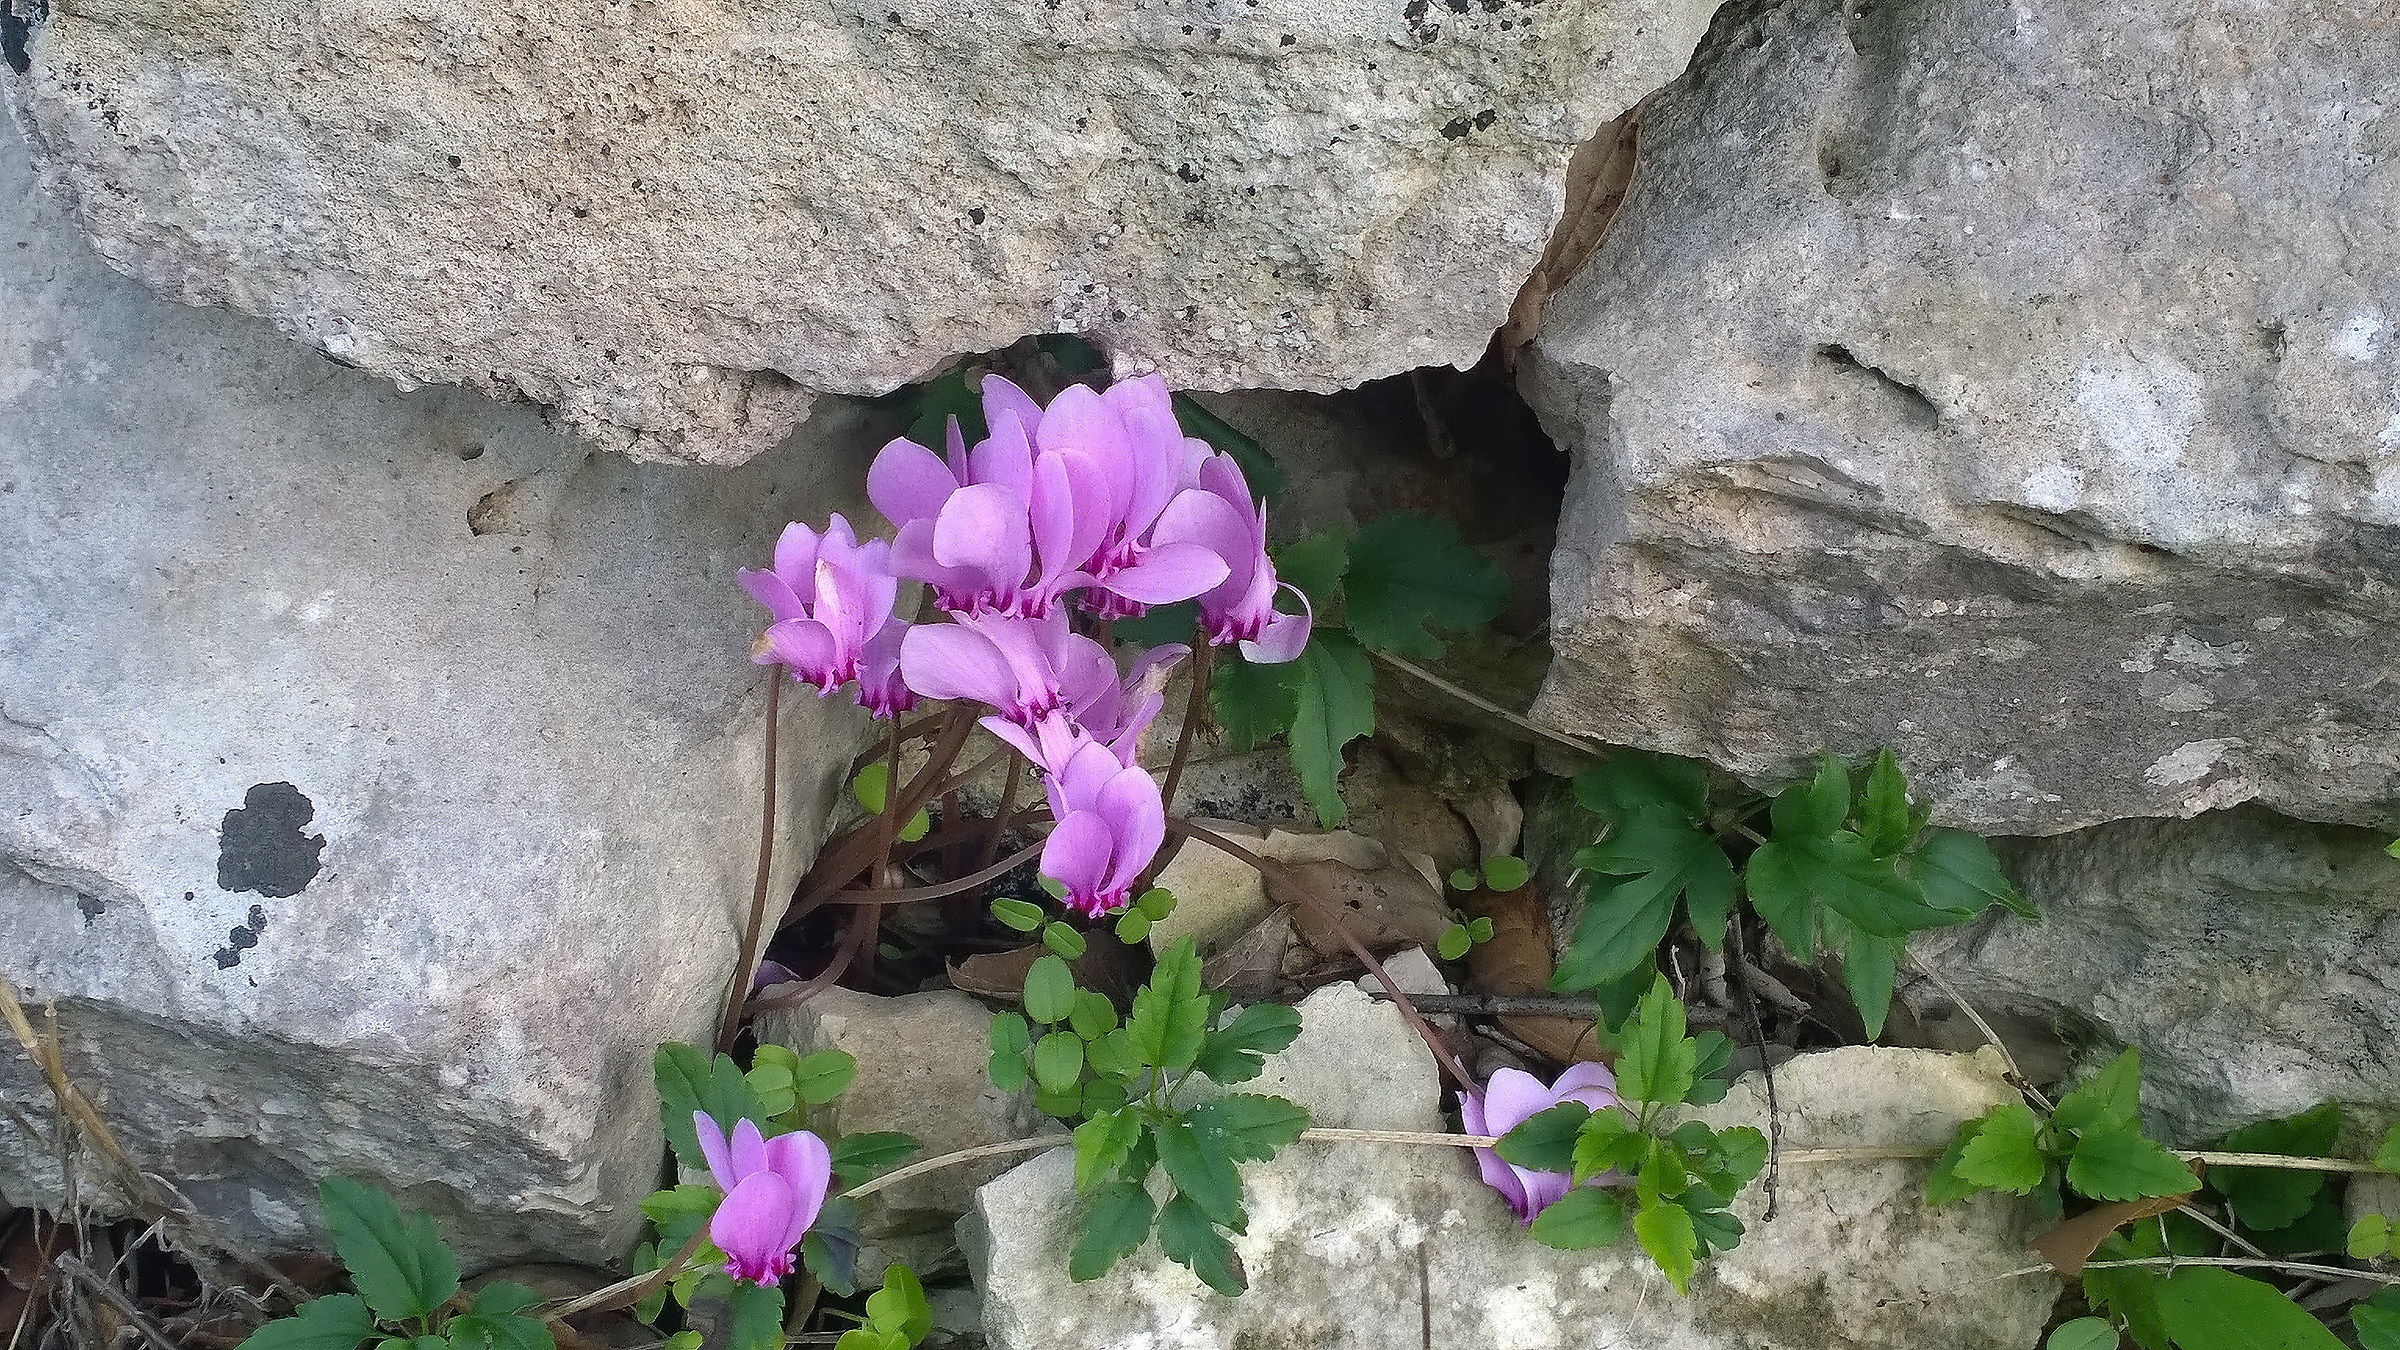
pixel 1097 503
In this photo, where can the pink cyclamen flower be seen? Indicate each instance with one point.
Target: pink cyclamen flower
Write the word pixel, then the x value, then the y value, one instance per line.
pixel 831 597
pixel 1513 1097
pixel 1111 822
pixel 1223 517
pixel 773 1190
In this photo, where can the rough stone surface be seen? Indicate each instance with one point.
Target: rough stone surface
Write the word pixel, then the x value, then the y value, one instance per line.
pixel 2019 388
pixel 373 767
pixel 2249 956
pixel 675 222
pixel 1347 1240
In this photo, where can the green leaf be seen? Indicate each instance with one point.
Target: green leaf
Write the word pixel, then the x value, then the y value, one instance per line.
pixel 399 1262
pixel 1191 1241
pixel 1608 1143
pixel 2005 1153
pixel 1010 1039
pixel 1170 1018
pixel 1022 915
pixel 1656 1064
pixel 2387 1158
pixel 820 1077
pixel 1665 1231
pixel 1409 575
pixel 1505 873
pixel 1316 565
pixel 1202 1170
pixel 2271 1198
pixel 1814 809
pixel 1094 1016
pixel 1635 782
pixel 1116 1222
pixel 2119 1164
pixel 2370 1238
pixel 2084 1333
pixel 1545 1140
pixel 2377 1323
pixel 1883 816
pixel 1259 467
pixel 1049 991
pixel 2208 1308
pixel 1869 967
pixel 1063 940
pixel 333 1322
pixel 1248 1127
pixel 691 1079
pixel 1335 684
pixel 1058 1061
pixel 1102 1144
pixel 1253 703
pixel 1156 903
pixel 756 1321
pixel 1621 926
pixel 1584 1218
pixel 1944 1184
pixel 938 400
pixel 1133 928
pixel 2112 1100
pixel 1162 625
pixel 503 1296
pixel 899 1307
pixel 1960 874
pixel 1454 943
pixel 499 1331
pixel 866 1155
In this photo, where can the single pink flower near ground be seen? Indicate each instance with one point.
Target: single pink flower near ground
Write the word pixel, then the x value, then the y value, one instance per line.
pixel 1111 822
pixel 1222 517
pixel 1513 1097
pixel 831 598
pixel 773 1191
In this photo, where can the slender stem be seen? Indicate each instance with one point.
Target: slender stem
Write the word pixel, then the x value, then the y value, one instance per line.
pixel 1195 711
pixel 942 891
pixel 887 823
pixel 1331 915
pixel 851 853
pixel 2226 1262
pixel 1008 805
pixel 1518 722
pixel 856 934
pixel 745 965
pixel 1766 1065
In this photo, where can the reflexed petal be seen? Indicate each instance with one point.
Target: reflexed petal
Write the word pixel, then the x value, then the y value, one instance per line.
pixel 1283 637
pixel 949 660
pixel 749 1148
pixel 1003 399
pixel 1138 821
pixel 1167 574
pixel 796 552
pixel 1511 1097
pixel 714 1148
pixel 984 527
pixel 908 482
pixel 752 1218
pixel 770 590
pixel 802 1159
pixel 1007 457
pixel 1591 1084
pixel 1076 853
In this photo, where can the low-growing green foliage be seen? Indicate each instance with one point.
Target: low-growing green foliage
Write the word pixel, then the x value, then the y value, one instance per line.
pixel 1845 868
pixel 1128 1085
pixel 408 1295
pixel 1675 1178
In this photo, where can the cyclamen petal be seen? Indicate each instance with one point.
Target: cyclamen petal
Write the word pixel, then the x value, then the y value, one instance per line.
pixel 774 1191
pixel 1511 1098
pixel 749 1227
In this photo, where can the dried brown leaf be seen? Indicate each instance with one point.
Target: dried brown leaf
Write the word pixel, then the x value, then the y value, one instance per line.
pixel 1598 179
pixel 1517 960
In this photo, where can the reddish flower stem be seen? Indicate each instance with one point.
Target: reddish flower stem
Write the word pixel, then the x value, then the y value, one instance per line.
pixel 745 965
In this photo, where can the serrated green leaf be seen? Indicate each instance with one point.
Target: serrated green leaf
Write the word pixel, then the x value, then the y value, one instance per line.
pixel 1191 1241
pixel 2119 1164
pixel 1884 820
pixel 1634 782
pixel 1409 577
pixel 399 1263
pixel 821 1076
pixel 1944 1185
pixel 1335 692
pixel 1316 564
pixel 1959 874
pixel 498 1331
pixel 2266 1199
pixel 1870 965
pixel 1236 1052
pixel 1655 1063
pixel 1607 1143
pixel 1115 1223
pixel 1102 1144
pixel 503 1296
pixel 1049 990
pixel 1789 875
pixel 2112 1100
pixel 1584 1218
pixel 899 1307
pixel 1814 809
pixel 2004 1153
pixel 2084 1333
pixel 332 1322
pixel 1665 1231
pixel 1254 704
pixel 756 1317
pixel 691 1079
pixel 1170 1017
pixel 1202 1171
pixel 1664 861
pixel 1248 1127
pixel 1545 1140
pixel 2206 1308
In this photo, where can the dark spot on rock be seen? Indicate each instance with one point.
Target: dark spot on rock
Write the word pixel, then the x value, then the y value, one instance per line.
pixel 1187 173
pixel 1288 40
pixel 1457 128
pixel 975 214
pixel 454 161
pixel 261 848
pixel 1486 118
pixel 16 33
pixel 92 906
pixel 471 452
pixel 242 938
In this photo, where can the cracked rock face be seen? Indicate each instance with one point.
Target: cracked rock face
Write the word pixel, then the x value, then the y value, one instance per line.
pixel 676 222
pixel 2020 390
pixel 367 762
